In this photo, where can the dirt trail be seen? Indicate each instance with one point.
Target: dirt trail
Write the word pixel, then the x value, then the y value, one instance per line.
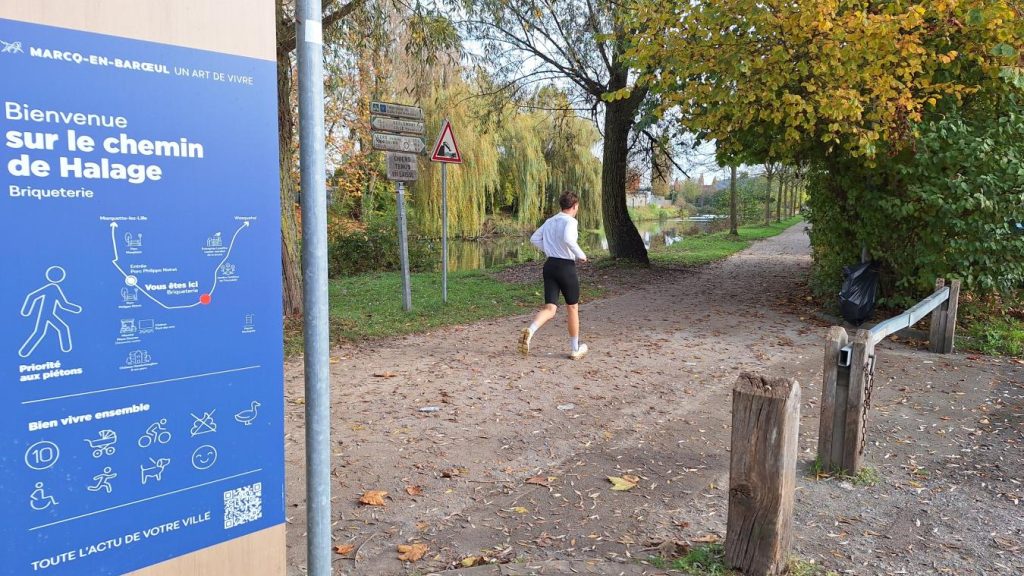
pixel 653 399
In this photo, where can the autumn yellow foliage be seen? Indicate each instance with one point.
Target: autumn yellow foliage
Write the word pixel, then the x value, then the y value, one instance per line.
pixel 818 74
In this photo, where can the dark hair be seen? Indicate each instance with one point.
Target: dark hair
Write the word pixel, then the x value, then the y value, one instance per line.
pixel 568 200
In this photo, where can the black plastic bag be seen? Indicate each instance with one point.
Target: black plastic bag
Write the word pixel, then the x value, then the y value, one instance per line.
pixel 859 293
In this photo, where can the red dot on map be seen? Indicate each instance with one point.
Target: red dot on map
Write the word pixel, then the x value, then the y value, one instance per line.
pixel 205 298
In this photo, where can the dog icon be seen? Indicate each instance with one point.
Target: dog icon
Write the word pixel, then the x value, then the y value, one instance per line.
pixel 155 471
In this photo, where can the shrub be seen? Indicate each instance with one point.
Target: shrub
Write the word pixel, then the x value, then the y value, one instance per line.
pixel 374 248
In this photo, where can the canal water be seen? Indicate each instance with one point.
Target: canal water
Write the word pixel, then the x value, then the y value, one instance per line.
pixel 502 250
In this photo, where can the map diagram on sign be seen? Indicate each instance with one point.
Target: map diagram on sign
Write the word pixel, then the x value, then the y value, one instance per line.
pixel 223 271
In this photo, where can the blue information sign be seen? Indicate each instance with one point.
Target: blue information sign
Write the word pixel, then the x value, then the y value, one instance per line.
pixel 141 412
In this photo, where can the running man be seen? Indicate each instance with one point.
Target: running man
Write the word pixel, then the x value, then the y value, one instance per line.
pixel 558 237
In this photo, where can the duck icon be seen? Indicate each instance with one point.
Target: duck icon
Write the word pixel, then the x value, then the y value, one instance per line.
pixel 247 416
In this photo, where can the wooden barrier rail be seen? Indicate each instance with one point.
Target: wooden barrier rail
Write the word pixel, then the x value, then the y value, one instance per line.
pixel 849 370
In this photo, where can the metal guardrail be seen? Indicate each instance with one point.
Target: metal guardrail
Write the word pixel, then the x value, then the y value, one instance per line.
pixel 893 325
pixel 910 317
pixel 849 369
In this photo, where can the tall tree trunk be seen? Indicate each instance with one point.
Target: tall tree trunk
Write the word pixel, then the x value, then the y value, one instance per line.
pixel 290 262
pixel 733 220
pixel 796 196
pixel 785 200
pixel 768 201
pixel 623 239
pixel 778 207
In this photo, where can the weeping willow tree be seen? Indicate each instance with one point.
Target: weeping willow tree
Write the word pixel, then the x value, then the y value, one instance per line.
pixel 523 167
pixel 573 166
pixel 469 184
pixel 544 152
pixel 519 169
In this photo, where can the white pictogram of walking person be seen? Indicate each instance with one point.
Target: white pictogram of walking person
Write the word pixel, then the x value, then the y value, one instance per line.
pixel 48 300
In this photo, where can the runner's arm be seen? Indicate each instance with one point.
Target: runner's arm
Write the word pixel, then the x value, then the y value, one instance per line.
pixel 538 238
pixel 572 236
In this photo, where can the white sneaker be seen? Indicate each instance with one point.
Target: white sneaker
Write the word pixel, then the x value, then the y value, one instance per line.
pixel 524 341
pixel 579 352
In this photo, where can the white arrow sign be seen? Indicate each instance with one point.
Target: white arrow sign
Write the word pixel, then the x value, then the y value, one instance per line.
pixel 396 143
pixel 396 110
pixel 395 125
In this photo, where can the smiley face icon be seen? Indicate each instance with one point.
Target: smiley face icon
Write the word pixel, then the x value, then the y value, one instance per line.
pixel 204 457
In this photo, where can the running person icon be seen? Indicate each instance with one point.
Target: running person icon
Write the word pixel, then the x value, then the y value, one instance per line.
pixel 48 299
pixel 103 481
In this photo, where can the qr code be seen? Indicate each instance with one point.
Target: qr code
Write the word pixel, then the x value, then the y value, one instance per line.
pixel 243 505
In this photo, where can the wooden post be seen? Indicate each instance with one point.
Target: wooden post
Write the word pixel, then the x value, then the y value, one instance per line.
pixel 936 335
pixel 762 473
pixel 860 368
pixel 829 436
pixel 950 322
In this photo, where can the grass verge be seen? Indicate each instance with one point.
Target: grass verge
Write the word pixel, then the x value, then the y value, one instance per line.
pixel 696 250
pixel 867 476
pixel 992 329
pixel 709 560
pixel 369 306
pixel 703 560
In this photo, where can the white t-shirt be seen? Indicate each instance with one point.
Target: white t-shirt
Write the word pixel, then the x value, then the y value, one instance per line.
pixel 558 238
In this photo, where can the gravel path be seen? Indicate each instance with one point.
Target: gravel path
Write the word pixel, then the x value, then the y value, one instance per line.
pixel 514 465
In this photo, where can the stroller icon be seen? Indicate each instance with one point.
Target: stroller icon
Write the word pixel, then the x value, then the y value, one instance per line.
pixel 104 444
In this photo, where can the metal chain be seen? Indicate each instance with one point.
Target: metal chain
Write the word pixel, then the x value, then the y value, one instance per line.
pixel 868 389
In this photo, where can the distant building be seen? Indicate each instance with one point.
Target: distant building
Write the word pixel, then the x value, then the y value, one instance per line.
pixel 639 197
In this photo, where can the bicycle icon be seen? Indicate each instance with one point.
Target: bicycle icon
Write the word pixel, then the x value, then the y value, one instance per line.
pixel 156 434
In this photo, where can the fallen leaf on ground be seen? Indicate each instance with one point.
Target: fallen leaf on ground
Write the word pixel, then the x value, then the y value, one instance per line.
pixel 414 490
pixel 373 498
pixel 384 374
pixel 707 539
pixel 1006 544
pixel 453 472
pixel 344 549
pixel 411 552
pixel 621 483
pixel 671 549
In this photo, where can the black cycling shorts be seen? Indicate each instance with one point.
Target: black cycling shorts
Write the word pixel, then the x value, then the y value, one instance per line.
pixel 560 276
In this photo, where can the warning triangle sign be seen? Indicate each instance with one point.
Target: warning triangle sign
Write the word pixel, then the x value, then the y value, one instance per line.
pixel 446 150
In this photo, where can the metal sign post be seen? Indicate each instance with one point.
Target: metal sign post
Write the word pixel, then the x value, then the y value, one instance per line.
pixel 391 132
pixel 446 151
pixel 444 232
pixel 310 50
pixel 403 248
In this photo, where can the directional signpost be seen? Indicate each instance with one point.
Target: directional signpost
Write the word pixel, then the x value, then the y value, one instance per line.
pixel 397 143
pixel 396 131
pixel 395 125
pixel 446 151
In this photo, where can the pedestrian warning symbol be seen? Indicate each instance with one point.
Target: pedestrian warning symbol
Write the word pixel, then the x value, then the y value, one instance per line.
pixel 446 150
